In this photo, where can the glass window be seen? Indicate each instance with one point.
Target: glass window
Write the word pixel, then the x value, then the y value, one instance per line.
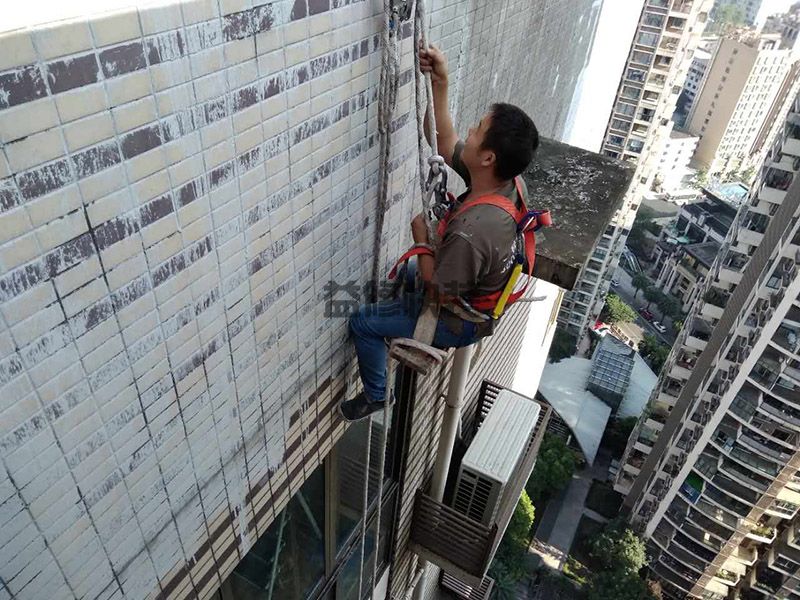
pixel 288 560
pixel 349 456
pixel 620 125
pixel 625 109
pixel 647 39
pixel 652 20
pixel 636 75
pixel 631 92
pixel 642 58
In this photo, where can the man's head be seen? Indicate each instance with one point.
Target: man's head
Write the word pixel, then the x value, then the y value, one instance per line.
pixel 504 141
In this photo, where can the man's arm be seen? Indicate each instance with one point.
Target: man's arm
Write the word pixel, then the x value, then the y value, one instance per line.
pixel 432 61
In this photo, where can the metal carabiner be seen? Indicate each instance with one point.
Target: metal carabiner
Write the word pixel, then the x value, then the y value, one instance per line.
pixel 436 188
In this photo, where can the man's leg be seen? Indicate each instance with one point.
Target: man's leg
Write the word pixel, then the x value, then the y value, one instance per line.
pixel 370 326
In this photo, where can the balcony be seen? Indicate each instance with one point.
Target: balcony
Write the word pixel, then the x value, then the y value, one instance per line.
pixel 735 261
pixel 762 533
pixel 768 580
pixel 736 490
pixel 781 411
pixel 683 7
pixel 787 338
pixel 725 501
pixel 744 476
pixel 459 544
pixel 687 557
pixel 717 515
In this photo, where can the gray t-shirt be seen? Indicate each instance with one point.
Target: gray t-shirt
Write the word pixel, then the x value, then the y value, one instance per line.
pixel 477 252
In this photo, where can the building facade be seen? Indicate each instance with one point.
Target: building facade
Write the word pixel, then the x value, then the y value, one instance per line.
pixel 710 471
pixel 187 213
pixel 694 78
pixel 743 79
pixel 672 168
pixel 666 36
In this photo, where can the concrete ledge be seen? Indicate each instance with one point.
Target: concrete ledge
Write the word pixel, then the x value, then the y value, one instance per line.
pixel 582 190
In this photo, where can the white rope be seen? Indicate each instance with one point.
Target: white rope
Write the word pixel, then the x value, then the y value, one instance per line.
pixel 387 101
pixel 424 106
pixel 390 73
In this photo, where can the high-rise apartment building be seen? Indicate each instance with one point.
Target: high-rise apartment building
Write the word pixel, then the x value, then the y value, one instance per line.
pixel 666 36
pixel 188 203
pixel 741 83
pixel 694 77
pixel 711 471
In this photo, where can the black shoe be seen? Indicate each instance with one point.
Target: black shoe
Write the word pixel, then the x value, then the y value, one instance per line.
pixel 359 408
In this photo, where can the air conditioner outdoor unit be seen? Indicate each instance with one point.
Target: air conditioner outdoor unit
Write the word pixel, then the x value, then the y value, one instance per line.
pixel 491 461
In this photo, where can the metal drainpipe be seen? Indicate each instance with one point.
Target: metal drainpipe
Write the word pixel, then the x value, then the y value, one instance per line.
pixel 450 425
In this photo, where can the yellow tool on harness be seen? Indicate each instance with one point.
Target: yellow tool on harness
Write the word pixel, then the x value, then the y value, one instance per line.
pixel 512 281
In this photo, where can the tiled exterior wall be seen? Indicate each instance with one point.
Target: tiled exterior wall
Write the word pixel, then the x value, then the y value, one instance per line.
pixel 178 186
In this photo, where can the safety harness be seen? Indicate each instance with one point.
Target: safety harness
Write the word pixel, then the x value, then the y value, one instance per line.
pixel 492 305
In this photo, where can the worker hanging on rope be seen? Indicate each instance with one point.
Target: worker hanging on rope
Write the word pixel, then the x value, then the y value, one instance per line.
pixel 473 271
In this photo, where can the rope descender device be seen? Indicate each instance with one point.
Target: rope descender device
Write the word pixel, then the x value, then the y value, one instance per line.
pixel 436 200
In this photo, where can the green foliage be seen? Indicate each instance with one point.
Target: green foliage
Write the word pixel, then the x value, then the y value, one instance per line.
pixel 563 345
pixel 618 548
pixel 505 582
pixel 726 17
pixel 747 175
pixel 519 527
pixel 617 311
pixel 701 177
pixel 509 566
pixel 616 435
pixel 669 306
pixel 576 571
pixel 640 281
pixel 554 468
pixel 652 295
pixel 654 351
pixel 618 585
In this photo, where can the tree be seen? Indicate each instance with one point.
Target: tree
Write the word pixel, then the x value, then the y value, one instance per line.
pixel 562 346
pixel 509 565
pixel 701 177
pixel 652 295
pixel 618 585
pixel 617 311
pixel 748 174
pixel 640 281
pixel 654 351
pixel 618 548
pixel 616 435
pixel 669 306
pixel 555 465
pixel 727 17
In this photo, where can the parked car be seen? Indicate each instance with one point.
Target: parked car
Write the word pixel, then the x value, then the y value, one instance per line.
pixel 614 283
pixel 648 316
pixel 659 327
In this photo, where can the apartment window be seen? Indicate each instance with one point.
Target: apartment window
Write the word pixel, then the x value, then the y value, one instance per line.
pixel 635 145
pixel 630 92
pixel 647 39
pixel 288 560
pixel 313 547
pixel 652 20
pixel 625 109
pixel 636 75
pixel 642 58
pixel 620 125
pixel 616 140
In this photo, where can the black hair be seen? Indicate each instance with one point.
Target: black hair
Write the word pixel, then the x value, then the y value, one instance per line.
pixel 513 138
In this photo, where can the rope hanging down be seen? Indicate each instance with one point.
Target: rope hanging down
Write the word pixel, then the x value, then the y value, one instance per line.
pixel 387 101
pixel 433 186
